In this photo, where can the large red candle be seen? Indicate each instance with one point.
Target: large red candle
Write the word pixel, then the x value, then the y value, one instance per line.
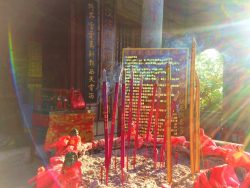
pixel 130 110
pixel 123 125
pixel 111 137
pixel 137 119
pixel 151 112
pixel 156 124
pixel 105 116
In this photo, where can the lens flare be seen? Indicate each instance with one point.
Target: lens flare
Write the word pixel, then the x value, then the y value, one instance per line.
pixel 17 93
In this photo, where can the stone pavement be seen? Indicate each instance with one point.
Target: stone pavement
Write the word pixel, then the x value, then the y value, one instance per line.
pixel 16 168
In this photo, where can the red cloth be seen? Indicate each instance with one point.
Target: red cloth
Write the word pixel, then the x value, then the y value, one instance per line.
pixel 56 160
pixel 133 132
pixel 232 147
pixel 65 144
pixel 239 159
pixel 246 181
pixel 205 140
pixel 209 147
pixel 222 176
pixel 60 124
pixel 57 177
pixel 48 178
pixel 214 151
pixel 202 181
pixel 178 140
pixel 150 137
pixel 175 140
pixel 71 177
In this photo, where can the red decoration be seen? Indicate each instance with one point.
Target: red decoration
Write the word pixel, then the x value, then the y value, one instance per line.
pixel 239 159
pixel 76 100
pixel 59 103
pixel 60 124
pixel 220 176
pixel 246 182
pixel 65 144
pixel 59 177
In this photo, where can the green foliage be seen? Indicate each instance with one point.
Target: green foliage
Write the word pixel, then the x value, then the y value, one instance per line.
pixel 209 65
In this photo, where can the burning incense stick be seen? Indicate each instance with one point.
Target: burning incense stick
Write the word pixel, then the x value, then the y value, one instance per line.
pixel 111 137
pixel 151 114
pixel 123 124
pixel 168 125
pixel 137 120
pixel 197 125
pixel 191 108
pixel 156 125
pixel 105 115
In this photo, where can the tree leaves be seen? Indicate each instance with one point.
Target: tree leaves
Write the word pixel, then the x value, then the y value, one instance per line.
pixel 209 66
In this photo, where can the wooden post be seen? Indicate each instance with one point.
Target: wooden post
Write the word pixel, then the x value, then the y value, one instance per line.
pixel 168 125
pixel 197 125
pixel 191 108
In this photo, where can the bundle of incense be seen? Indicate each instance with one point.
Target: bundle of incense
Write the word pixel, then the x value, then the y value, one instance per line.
pixel 156 125
pixel 151 114
pixel 168 125
pixel 123 125
pixel 105 115
pixel 130 110
pixel 115 103
pixel 138 114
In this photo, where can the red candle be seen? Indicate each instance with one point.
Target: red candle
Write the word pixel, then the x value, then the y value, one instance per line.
pixel 105 116
pixel 130 109
pixel 123 123
pixel 111 137
pixel 151 112
pixel 137 119
pixel 122 170
pixel 156 124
